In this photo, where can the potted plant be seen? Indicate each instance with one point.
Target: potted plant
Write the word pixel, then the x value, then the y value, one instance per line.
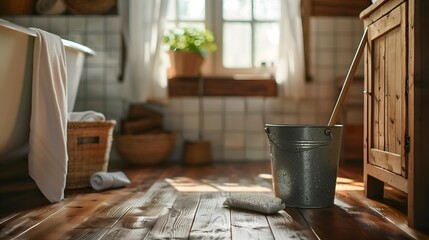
pixel 188 47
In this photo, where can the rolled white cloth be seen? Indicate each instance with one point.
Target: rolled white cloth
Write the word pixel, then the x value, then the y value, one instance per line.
pixel 257 202
pixel 106 180
pixel 86 116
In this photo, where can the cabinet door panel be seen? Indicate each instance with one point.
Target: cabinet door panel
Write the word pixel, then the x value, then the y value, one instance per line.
pixel 386 121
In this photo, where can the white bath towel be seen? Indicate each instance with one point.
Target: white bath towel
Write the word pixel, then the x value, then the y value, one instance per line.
pixel 106 180
pixel 257 202
pixel 47 158
pixel 86 116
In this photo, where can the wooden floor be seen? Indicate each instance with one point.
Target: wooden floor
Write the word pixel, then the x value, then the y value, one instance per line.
pixel 177 202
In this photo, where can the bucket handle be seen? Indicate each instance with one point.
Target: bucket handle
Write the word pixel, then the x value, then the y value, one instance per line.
pixel 303 145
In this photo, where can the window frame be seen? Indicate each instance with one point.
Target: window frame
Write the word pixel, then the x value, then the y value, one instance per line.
pixel 213 65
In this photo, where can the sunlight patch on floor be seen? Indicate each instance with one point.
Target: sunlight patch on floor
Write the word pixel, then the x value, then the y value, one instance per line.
pixel 185 184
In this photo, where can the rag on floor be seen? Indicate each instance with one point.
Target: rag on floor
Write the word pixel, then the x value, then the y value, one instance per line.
pixel 106 180
pixel 257 202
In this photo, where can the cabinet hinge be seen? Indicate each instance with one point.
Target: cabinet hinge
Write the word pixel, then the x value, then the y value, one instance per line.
pixel 407 144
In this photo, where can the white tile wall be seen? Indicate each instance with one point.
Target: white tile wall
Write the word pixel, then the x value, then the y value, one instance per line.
pixel 233 125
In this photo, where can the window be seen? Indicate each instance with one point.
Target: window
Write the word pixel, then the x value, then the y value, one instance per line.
pixel 246 31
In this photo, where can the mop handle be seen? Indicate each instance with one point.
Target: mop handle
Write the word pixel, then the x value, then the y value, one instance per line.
pixel 348 80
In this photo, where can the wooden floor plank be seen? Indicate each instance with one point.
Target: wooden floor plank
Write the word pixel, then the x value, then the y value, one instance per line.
pixel 21 222
pixel 176 201
pixel 249 225
pixel 70 216
pixel 289 224
pixel 176 222
pixel 348 215
pixel 212 220
pixel 143 212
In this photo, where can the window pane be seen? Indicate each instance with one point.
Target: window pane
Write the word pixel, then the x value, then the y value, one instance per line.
pixel 199 25
pixel 237 9
pixel 171 10
pixel 266 9
pixel 266 43
pixel 237 45
pixel 191 9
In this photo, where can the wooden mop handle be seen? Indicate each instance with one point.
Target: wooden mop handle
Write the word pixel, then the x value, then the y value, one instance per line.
pixel 348 81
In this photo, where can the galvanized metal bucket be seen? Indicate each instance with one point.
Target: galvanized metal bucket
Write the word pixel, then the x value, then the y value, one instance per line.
pixel 304 162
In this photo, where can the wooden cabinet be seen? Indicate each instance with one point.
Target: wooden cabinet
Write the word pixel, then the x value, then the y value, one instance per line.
pixel 396 83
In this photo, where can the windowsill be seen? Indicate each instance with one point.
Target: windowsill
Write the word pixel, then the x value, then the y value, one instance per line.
pixel 221 86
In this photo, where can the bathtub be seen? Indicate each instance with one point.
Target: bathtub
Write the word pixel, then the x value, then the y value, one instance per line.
pixel 16 68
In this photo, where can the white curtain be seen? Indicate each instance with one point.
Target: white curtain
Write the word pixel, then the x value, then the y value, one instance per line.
pixel 290 74
pixel 145 69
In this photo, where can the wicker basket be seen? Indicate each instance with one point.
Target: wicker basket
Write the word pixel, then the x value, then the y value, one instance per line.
pixel 88 146
pixel 145 149
pixel 90 6
pixel 16 7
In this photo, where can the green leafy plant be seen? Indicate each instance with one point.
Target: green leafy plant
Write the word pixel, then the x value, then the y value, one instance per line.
pixel 192 39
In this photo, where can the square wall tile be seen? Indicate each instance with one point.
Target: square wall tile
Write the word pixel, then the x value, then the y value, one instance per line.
pixel 291 119
pixel 232 155
pixel 191 122
pixel 256 155
pixel 325 24
pixel 96 25
pixel 326 58
pixel 255 140
pixel 96 41
pixel 215 139
pixel 174 105
pixel 59 25
pixel 190 135
pixel 213 105
pixel 234 122
pixel 113 90
pixel 254 104
pixel 40 22
pixel 97 60
pixel 96 74
pixel 113 24
pixel 113 41
pixel 273 105
pixel 96 90
pixel 112 74
pixel 343 25
pixel 191 105
pixel 77 24
pixel 326 42
pixel 234 140
pixel 254 123
pixel 274 118
pixel 290 106
pixel 112 58
pixel 75 37
pixel 217 154
pixel 213 122
pixel 234 104
pixel 114 108
pixel 96 105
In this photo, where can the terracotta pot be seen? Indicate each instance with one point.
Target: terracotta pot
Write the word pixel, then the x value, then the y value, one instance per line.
pixel 185 64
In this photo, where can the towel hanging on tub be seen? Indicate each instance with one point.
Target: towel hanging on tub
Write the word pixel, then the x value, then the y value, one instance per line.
pixel 47 158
